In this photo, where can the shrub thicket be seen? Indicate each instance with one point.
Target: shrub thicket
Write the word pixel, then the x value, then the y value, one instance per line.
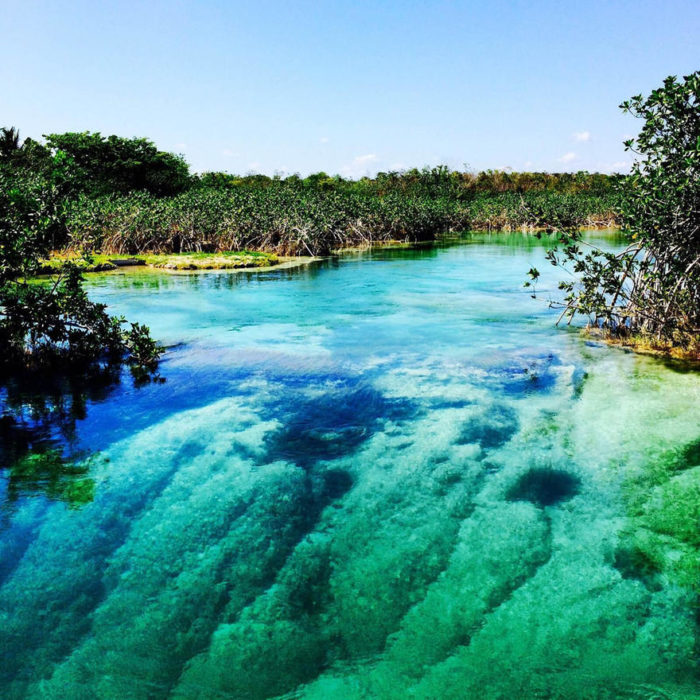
pixel 651 290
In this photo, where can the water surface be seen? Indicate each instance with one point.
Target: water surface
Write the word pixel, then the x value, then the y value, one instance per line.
pixel 381 476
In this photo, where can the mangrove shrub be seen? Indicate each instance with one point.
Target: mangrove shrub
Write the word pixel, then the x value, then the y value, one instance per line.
pixel 652 288
pixel 52 325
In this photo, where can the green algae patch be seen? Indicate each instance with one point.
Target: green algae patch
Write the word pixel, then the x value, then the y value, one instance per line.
pixel 229 260
pixel 663 533
pixel 212 261
pixel 50 473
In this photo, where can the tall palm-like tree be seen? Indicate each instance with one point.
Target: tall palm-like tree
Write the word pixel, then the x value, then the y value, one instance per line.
pixel 9 141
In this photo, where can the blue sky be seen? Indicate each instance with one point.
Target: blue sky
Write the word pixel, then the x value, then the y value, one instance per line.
pixel 348 87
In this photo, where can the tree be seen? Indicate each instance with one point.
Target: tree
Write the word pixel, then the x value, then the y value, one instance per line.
pixel 53 326
pixel 9 142
pixel 115 164
pixel 652 288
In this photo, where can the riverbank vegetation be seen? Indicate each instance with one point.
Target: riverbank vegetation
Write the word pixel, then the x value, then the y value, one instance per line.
pixel 294 218
pixel 52 327
pixel 123 196
pixel 648 295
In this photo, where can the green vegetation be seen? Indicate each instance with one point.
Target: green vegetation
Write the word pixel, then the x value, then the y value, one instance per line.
pixel 52 327
pixel 123 196
pixel 649 294
pixel 319 214
pixel 102 262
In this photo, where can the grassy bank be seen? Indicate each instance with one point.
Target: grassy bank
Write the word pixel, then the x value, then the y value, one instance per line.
pixel 103 262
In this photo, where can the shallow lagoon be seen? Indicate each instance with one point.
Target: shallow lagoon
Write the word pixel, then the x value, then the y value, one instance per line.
pixel 380 476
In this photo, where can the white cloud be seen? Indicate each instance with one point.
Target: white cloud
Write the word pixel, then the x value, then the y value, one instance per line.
pixel 181 146
pixel 324 139
pixel 254 166
pixel 528 164
pixel 618 166
pixel 568 157
pixel 582 136
pixel 229 153
pixel 359 165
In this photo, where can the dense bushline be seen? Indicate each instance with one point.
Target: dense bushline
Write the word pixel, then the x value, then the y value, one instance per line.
pixel 125 196
pixel 295 220
pixel 51 327
pixel 94 164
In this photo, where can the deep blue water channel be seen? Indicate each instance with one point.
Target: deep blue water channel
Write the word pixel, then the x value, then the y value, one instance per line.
pixel 385 475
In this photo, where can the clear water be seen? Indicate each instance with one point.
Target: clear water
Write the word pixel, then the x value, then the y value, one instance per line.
pixel 383 476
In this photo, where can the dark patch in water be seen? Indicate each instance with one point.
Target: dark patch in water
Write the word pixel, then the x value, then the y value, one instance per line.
pixel 525 377
pixel 329 424
pixel 544 487
pixel 491 467
pixel 439 404
pixel 336 482
pixel 491 427
pixel 633 563
pixel 688 457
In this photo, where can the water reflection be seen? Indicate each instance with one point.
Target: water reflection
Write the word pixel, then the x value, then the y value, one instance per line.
pixel 40 450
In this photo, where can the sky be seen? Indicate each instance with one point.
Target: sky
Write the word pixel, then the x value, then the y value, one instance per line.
pixel 347 86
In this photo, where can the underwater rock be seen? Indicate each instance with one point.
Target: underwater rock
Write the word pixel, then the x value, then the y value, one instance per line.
pixel 494 552
pixel 544 487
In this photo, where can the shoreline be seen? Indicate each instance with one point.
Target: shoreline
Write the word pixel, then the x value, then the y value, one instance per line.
pixel 260 261
pixel 250 259
pixel 641 345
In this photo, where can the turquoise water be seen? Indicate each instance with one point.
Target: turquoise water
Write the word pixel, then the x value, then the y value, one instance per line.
pixel 381 476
